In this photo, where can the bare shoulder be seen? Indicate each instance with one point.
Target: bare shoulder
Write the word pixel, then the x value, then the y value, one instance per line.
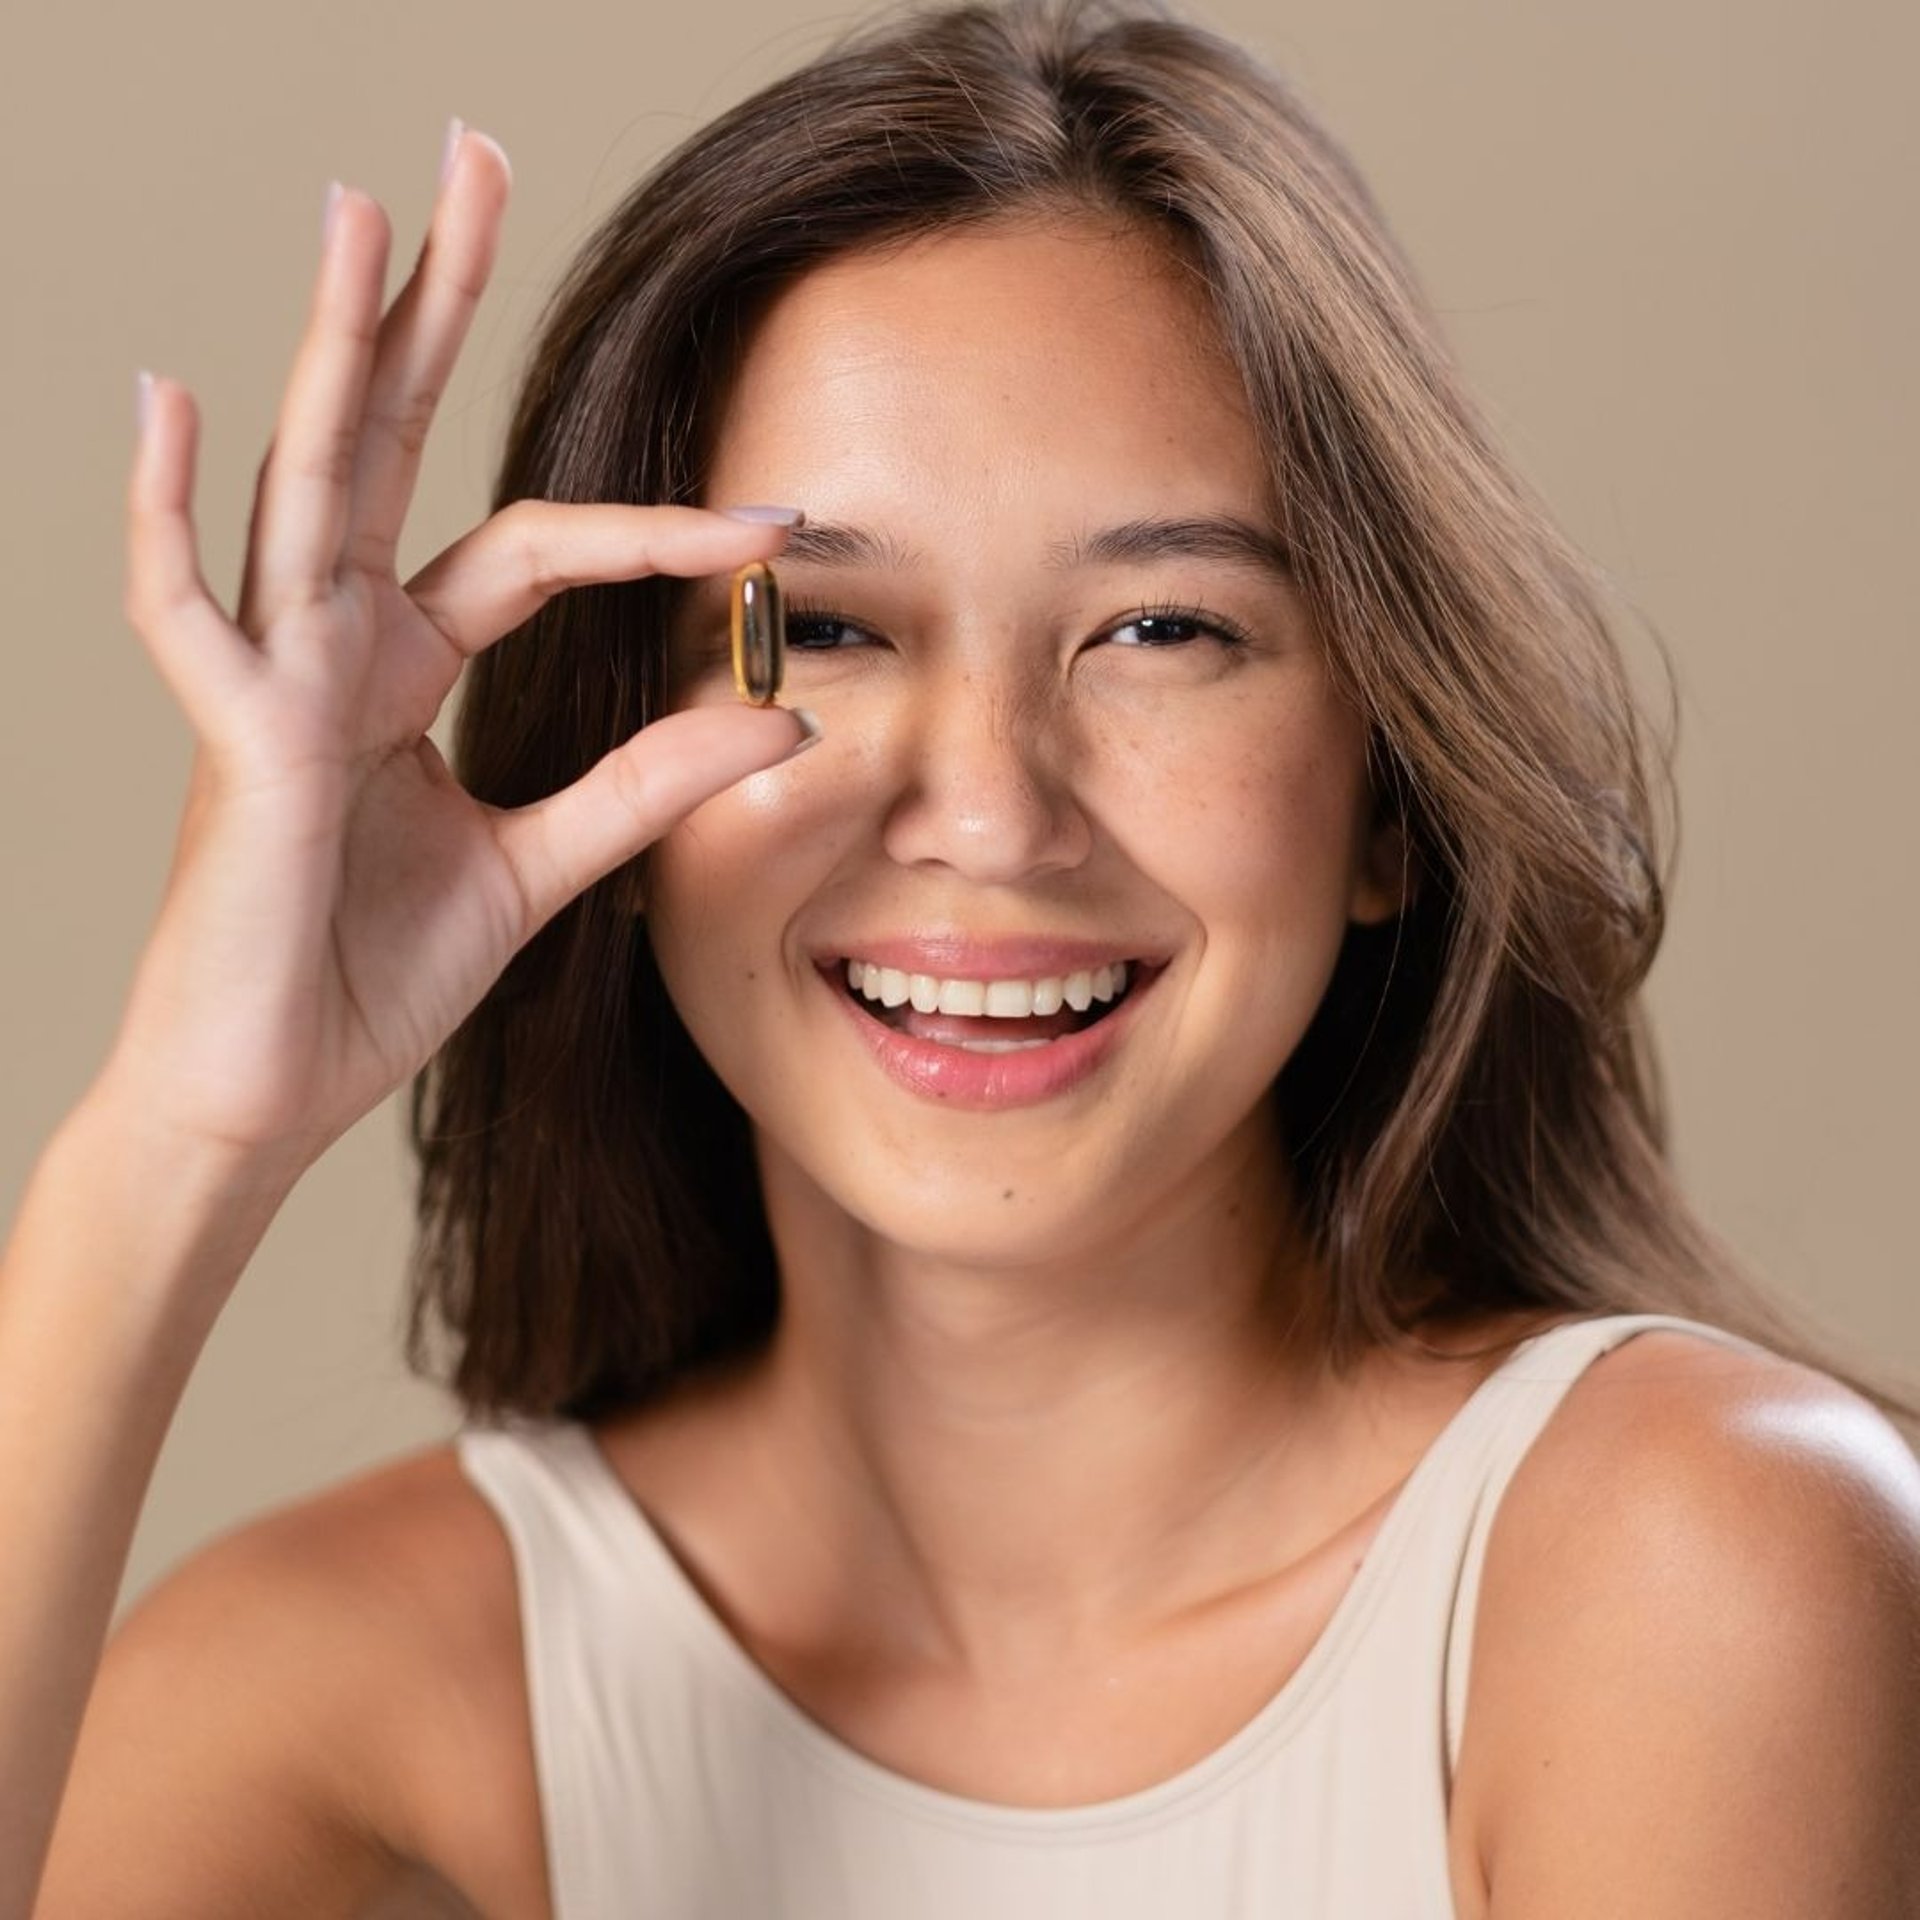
pixel 1695 1681
pixel 317 1712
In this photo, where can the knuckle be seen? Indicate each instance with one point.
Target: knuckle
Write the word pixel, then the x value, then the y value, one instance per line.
pixel 525 529
pixel 303 597
pixel 329 459
pixel 361 332
pixel 469 283
pixel 146 597
pixel 409 422
pixel 459 272
pixel 370 552
pixel 516 519
pixel 635 785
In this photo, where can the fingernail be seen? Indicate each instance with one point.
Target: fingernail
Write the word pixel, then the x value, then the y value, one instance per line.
pixel 455 128
pixel 334 191
pixel 809 733
pixel 142 399
pixel 774 516
pixel 500 152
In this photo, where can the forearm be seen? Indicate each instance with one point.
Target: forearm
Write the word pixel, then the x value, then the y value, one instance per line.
pixel 125 1248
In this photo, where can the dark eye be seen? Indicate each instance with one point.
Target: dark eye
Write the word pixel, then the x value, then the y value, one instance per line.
pixel 819 630
pixel 1175 627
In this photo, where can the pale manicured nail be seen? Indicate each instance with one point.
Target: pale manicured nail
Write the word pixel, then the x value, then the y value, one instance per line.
pixel 334 191
pixel 474 133
pixel 142 399
pixel 773 516
pixel 455 128
pixel 809 733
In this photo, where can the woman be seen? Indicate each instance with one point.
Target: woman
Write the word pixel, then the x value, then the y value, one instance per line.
pixel 1069 1303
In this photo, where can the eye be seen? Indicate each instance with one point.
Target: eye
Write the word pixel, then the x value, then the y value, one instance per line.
pixel 1168 625
pixel 815 629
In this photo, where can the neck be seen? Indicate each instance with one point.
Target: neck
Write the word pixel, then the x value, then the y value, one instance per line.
pixel 1027 1463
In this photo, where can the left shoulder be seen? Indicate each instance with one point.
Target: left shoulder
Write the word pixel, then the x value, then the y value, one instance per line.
pixel 1696 1667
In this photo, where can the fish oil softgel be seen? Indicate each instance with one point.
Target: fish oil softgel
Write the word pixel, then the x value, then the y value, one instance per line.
pixel 759 634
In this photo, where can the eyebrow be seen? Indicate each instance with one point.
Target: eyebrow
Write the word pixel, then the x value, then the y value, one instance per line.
pixel 1195 537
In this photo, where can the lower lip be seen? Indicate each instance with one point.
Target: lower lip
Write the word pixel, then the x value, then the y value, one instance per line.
pixel 959 1078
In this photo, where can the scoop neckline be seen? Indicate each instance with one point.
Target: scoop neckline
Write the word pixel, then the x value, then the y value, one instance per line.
pixel 1272 1721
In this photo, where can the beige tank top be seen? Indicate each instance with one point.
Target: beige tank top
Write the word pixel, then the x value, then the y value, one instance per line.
pixel 678 1782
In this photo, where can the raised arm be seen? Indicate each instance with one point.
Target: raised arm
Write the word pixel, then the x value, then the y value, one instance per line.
pixel 337 905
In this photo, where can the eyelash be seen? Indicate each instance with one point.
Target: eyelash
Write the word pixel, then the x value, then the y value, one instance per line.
pixel 1229 633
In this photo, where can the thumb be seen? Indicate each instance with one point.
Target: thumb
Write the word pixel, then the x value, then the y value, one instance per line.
pixel 559 846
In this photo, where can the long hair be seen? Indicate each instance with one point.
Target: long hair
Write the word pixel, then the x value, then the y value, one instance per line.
pixel 1473 1115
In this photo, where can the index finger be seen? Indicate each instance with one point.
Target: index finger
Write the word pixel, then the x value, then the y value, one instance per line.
pixel 503 572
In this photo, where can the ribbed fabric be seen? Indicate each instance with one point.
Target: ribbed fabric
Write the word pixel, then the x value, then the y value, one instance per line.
pixel 678 1782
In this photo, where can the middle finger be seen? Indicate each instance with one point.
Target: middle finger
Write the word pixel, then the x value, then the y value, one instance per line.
pixel 420 339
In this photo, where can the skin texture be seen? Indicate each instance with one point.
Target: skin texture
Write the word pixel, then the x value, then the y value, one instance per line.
pixel 996 1319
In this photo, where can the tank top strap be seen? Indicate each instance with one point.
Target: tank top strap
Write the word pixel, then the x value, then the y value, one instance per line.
pixel 1529 1384
pixel 603 1629
pixel 591 1560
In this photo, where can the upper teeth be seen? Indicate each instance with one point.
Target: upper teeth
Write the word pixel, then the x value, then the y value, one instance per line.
pixel 997 999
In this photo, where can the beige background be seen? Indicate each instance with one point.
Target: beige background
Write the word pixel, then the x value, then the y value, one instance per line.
pixel 1674 241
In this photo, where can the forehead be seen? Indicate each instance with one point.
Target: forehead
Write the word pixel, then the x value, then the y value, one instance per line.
pixel 1071 348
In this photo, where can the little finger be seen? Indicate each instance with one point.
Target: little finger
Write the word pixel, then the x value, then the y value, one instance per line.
pixel 204 659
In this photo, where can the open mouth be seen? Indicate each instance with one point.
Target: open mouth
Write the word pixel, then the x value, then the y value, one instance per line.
pixel 992 1016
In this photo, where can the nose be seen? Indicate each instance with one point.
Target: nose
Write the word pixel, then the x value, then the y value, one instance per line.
pixel 986 780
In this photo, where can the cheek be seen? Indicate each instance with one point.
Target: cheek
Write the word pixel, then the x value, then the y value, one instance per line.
pixel 725 883
pixel 1254 804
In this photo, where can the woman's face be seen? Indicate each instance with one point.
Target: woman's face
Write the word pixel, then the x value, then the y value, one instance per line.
pixel 1075 718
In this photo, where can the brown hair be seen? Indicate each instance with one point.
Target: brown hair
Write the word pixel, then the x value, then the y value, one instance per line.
pixel 1473 1113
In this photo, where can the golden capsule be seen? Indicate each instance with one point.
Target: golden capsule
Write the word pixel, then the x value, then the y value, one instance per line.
pixel 759 634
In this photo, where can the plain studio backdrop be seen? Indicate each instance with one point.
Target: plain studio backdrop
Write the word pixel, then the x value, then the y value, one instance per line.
pixel 1672 240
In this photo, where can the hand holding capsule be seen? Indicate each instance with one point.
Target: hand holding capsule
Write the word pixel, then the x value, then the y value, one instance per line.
pixel 338 902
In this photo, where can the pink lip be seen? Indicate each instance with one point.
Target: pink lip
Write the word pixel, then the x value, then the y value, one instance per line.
pixel 963 957
pixel 985 1081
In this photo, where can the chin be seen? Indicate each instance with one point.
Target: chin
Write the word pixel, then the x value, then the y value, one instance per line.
pixel 998 1224
pixel 993 1208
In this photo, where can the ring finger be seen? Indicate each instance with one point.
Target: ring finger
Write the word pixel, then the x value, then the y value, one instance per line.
pixel 301 502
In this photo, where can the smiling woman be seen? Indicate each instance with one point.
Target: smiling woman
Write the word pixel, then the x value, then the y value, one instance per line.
pixel 1072 1304
pixel 1027 784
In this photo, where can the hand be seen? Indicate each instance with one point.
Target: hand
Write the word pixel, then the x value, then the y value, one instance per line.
pixel 338 903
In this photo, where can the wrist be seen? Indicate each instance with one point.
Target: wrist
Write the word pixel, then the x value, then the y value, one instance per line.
pixel 150 1212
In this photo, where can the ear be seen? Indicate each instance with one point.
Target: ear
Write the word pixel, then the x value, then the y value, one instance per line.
pixel 1383 877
